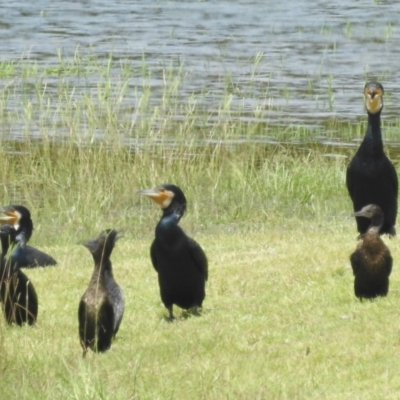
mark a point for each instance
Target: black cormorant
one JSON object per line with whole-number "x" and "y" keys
{"x": 17, "y": 294}
{"x": 371, "y": 262}
{"x": 180, "y": 262}
{"x": 102, "y": 306}
{"x": 24, "y": 255}
{"x": 371, "y": 177}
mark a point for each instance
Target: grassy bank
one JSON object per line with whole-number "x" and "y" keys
{"x": 77, "y": 190}
{"x": 268, "y": 204}
{"x": 280, "y": 321}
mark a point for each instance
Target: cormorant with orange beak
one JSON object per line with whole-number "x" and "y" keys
{"x": 180, "y": 262}
{"x": 371, "y": 177}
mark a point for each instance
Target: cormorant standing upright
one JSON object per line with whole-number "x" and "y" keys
{"x": 372, "y": 261}
{"x": 180, "y": 262}
{"x": 371, "y": 177}
{"x": 102, "y": 305}
{"x": 23, "y": 255}
{"x": 17, "y": 294}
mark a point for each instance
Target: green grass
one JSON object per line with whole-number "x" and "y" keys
{"x": 280, "y": 319}
{"x": 74, "y": 191}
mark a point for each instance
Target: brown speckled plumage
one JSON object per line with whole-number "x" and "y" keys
{"x": 371, "y": 261}
{"x": 102, "y": 305}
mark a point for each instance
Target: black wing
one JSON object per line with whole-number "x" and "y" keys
{"x": 30, "y": 257}
{"x": 153, "y": 255}
{"x": 199, "y": 257}
{"x": 393, "y": 179}
{"x": 96, "y": 331}
{"x": 389, "y": 264}
{"x": 355, "y": 261}
{"x": 349, "y": 182}
{"x": 106, "y": 325}
{"x": 20, "y": 299}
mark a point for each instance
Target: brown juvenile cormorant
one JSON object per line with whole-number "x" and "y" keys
{"x": 23, "y": 255}
{"x": 371, "y": 262}
{"x": 17, "y": 294}
{"x": 180, "y": 262}
{"x": 102, "y": 306}
{"x": 371, "y": 177}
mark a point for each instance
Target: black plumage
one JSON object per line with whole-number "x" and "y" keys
{"x": 372, "y": 261}
{"x": 180, "y": 262}
{"x": 102, "y": 305}
{"x": 17, "y": 294}
{"x": 371, "y": 177}
{"x": 23, "y": 255}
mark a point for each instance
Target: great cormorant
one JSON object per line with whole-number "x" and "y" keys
{"x": 180, "y": 262}
{"x": 23, "y": 255}
{"x": 371, "y": 262}
{"x": 371, "y": 177}
{"x": 17, "y": 294}
{"x": 102, "y": 305}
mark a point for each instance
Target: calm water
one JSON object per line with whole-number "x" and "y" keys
{"x": 314, "y": 56}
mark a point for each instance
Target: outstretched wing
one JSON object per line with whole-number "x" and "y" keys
{"x": 30, "y": 257}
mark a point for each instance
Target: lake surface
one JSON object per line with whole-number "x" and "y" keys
{"x": 313, "y": 58}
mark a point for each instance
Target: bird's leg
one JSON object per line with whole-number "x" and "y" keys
{"x": 84, "y": 348}
{"x": 195, "y": 311}
{"x": 171, "y": 314}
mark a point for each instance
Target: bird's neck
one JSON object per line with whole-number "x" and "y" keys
{"x": 376, "y": 225}
{"x": 168, "y": 228}
{"x": 374, "y": 230}
{"x": 171, "y": 216}
{"x": 22, "y": 237}
{"x": 373, "y": 137}
{"x": 103, "y": 264}
{"x": 102, "y": 270}
{"x": 372, "y": 242}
